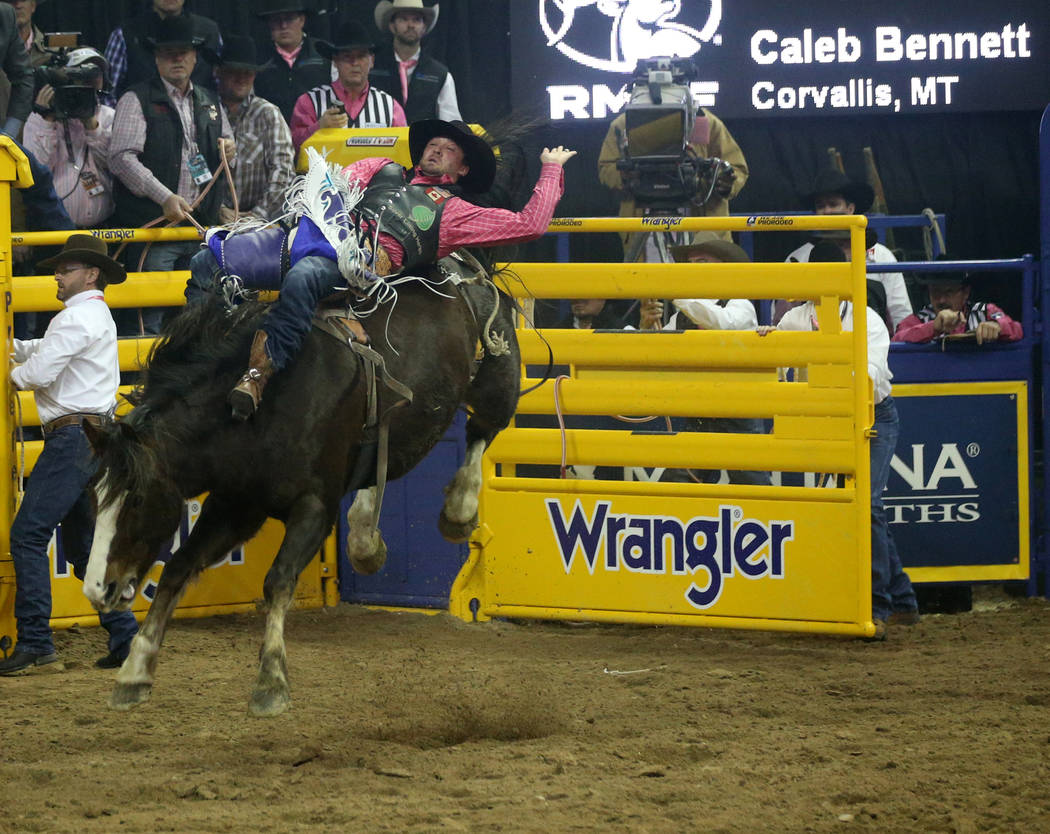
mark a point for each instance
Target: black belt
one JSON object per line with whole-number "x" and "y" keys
{"x": 97, "y": 420}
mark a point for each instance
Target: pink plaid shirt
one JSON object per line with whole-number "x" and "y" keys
{"x": 465, "y": 224}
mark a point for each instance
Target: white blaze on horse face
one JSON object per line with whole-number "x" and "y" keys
{"x": 105, "y": 529}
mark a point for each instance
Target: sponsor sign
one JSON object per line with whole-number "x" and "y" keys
{"x": 755, "y": 58}
{"x": 958, "y": 488}
{"x": 371, "y": 141}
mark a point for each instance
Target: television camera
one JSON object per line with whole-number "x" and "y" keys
{"x": 658, "y": 165}
{"x": 73, "y": 71}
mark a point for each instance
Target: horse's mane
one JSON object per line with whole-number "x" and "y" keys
{"x": 197, "y": 352}
{"x": 195, "y": 347}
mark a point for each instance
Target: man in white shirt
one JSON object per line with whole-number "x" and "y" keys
{"x": 835, "y": 193}
{"x": 892, "y": 597}
{"x": 74, "y": 373}
{"x": 711, "y": 314}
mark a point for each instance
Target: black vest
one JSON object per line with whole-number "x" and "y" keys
{"x": 162, "y": 152}
{"x": 282, "y": 84}
{"x": 423, "y": 87}
{"x": 141, "y": 63}
{"x": 410, "y": 214}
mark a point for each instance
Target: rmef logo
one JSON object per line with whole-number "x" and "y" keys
{"x": 722, "y": 546}
{"x": 636, "y": 29}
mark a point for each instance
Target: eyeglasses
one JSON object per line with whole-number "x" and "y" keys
{"x": 65, "y": 270}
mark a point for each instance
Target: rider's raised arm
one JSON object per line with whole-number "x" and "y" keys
{"x": 466, "y": 224}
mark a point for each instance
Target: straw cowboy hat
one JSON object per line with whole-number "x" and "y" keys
{"x": 90, "y": 251}
{"x": 385, "y": 10}
{"x": 707, "y": 243}
{"x": 477, "y": 154}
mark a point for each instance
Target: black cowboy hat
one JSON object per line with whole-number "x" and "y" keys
{"x": 238, "y": 52}
{"x": 717, "y": 247}
{"x": 349, "y": 35}
{"x": 954, "y": 276}
{"x": 174, "y": 31}
{"x": 265, "y": 8}
{"x": 833, "y": 181}
{"x": 91, "y": 251}
{"x": 477, "y": 154}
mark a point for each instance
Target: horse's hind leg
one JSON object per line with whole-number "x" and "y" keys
{"x": 459, "y": 515}
{"x": 306, "y": 527}
{"x": 218, "y": 530}
{"x": 365, "y": 547}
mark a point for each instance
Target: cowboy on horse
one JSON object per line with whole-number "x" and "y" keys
{"x": 402, "y": 221}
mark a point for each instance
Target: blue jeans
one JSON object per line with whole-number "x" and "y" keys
{"x": 203, "y": 267}
{"x": 310, "y": 280}
{"x": 890, "y": 586}
{"x": 55, "y": 493}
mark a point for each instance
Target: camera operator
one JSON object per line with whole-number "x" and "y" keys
{"x": 69, "y": 131}
{"x": 706, "y": 143}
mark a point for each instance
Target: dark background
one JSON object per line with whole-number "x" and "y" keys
{"x": 979, "y": 169}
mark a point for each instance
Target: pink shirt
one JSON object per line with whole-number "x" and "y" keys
{"x": 465, "y": 224}
{"x": 918, "y": 327}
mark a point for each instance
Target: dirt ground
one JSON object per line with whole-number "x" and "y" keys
{"x": 404, "y": 722}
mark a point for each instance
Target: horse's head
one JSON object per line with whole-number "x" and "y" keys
{"x": 138, "y": 508}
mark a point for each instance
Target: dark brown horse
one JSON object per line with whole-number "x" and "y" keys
{"x": 293, "y": 461}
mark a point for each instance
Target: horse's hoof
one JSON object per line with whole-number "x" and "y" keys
{"x": 367, "y": 563}
{"x": 128, "y": 695}
{"x": 456, "y": 532}
{"x": 269, "y": 702}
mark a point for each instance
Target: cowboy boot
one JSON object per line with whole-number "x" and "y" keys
{"x": 246, "y": 395}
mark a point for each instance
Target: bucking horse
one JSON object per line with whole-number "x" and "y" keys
{"x": 314, "y": 440}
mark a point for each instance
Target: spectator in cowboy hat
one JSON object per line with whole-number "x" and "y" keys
{"x": 349, "y": 101}
{"x": 128, "y": 53}
{"x": 710, "y": 314}
{"x": 951, "y": 313}
{"x": 265, "y": 168}
{"x": 835, "y": 193}
{"x": 417, "y": 81}
{"x": 290, "y": 63}
{"x": 158, "y": 168}
{"x": 74, "y": 373}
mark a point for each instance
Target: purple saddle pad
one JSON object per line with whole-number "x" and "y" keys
{"x": 258, "y": 257}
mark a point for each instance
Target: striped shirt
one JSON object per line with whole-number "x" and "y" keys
{"x": 372, "y": 108}
{"x": 265, "y": 160}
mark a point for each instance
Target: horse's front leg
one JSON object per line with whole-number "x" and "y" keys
{"x": 305, "y": 529}
{"x": 459, "y": 515}
{"x": 365, "y": 547}
{"x": 217, "y": 531}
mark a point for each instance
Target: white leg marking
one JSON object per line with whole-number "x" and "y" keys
{"x": 359, "y": 521}
{"x": 105, "y": 529}
{"x": 461, "y": 503}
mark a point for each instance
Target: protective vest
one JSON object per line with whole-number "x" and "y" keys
{"x": 282, "y": 84}
{"x": 411, "y": 214}
{"x": 423, "y": 87}
{"x": 162, "y": 152}
{"x": 142, "y": 64}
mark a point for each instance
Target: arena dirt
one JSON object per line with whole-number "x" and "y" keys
{"x": 403, "y": 722}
